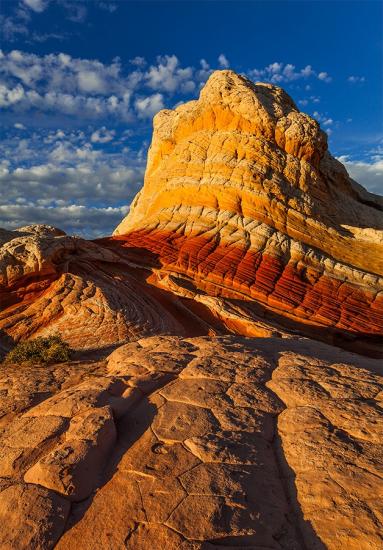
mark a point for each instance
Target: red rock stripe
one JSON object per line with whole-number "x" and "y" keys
{"x": 233, "y": 272}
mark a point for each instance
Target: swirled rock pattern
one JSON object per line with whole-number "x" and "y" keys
{"x": 195, "y": 443}
{"x": 243, "y": 199}
{"x": 52, "y": 282}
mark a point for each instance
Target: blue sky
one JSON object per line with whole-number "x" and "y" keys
{"x": 81, "y": 80}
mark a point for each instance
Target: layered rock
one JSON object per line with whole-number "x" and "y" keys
{"x": 243, "y": 200}
{"x": 245, "y": 220}
{"x": 51, "y": 282}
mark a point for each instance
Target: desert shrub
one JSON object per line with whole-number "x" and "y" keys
{"x": 51, "y": 349}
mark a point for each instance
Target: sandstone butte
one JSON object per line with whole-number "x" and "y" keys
{"x": 226, "y": 390}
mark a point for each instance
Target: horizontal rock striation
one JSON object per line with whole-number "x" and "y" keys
{"x": 243, "y": 200}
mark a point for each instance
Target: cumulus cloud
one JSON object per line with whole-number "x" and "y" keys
{"x": 278, "y": 72}
{"x": 169, "y": 76}
{"x": 92, "y": 82}
{"x": 310, "y": 99}
{"x": 102, "y": 135}
{"x": 138, "y": 61}
{"x": 368, "y": 174}
{"x": 75, "y": 11}
{"x": 59, "y": 83}
{"x": 111, "y": 7}
{"x": 61, "y": 72}
{"x": 324, "y": 76}
{"x": 223, "y": 61}
{"x": 147, "y": 107}
{"x": 324, "y": 120}
{"x": 61, "y": 179}
{"x": 89, "y": 222}
{"x": 12, "y": 28}
{"x": 36, "y": 5}
{"x": 356, "y": 79}
{"x": 18, "y": 24}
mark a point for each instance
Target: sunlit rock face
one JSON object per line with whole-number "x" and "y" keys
{"x": 243, "y": 200}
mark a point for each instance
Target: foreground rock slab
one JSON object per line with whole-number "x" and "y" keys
{"x": 201, "y": 442}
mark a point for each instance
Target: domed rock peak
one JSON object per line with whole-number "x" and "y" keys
{"x": 242, "y": 199}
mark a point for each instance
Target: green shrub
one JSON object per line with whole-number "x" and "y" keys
{"x": 51, "y": 349}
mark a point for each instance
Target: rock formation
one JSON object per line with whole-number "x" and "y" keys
{"x": 219, "y": 419}
{"x": 52, "y": 282}
{"x": 243, "y": 200}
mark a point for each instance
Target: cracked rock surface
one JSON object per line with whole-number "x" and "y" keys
{"x": 195, "y": 443}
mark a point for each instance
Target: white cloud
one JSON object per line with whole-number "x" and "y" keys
{"x": 19, "y": 126}
{"x": 59, "y": 83}
{"x": 61, "y": 179}
{"x": 307, "y": 100}
{"x": 37, "y": 5}
{"x": 169, "y": 76}
{"x": 12, "y": 28}
{"x": 324, "y": 76}
{"x": 102, "y": 135}
{"x": 89, "y": 222}
{"x": 223, "y": 61}
{"x": 75, "y": 10}
{"x": 356, "y": 79}
{"x": 324, "y": 120}
{"x": 36, "y": 37}
{"x": 279, "y": 73}
{"x": 147, "y": 107}
{"x": 91, "y": 81}
{"x": 368, "y": 174}
{"x": 111, "y": 7}
{"x": 62, "y": 73}
{"x": 10, "y": 96}
{"x": 138, "y": 61}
